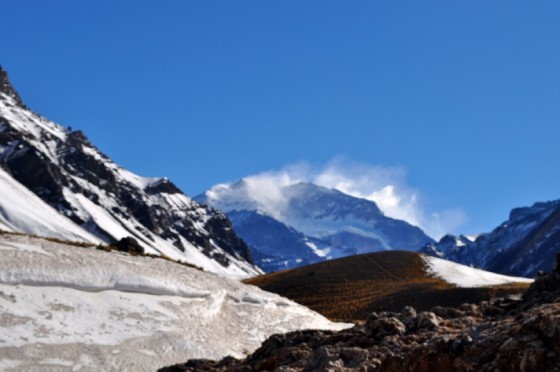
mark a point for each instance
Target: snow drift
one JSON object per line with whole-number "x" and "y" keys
{"x": 465, "y": 276}
{"x": 63, "y": 306}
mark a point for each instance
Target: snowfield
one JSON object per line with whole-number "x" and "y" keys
{"x": 71, "y": 308}
{"x": 466, "y": 276}
{"x": 23, "y": 211}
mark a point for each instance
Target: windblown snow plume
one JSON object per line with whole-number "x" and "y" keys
{"x": 386, "y": 186}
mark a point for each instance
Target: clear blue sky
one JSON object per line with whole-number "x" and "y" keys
{"x": 464, "y": 95}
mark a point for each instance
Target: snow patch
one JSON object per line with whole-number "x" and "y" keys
{"x": 471, "y": 238}
{"x": 316, "y": 250}
{"x": 113, "y": 311}
{"x": 465, "y": 276}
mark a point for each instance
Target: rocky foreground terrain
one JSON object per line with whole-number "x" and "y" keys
{"x": 505, "y": 334}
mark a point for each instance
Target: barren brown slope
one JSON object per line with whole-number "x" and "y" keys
{"x": 352, "y": 287}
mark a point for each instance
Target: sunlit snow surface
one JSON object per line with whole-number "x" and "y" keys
{"x": 23, "y": 211}
{"x": 465, "y": 276}
{"x": 85, "y": 309}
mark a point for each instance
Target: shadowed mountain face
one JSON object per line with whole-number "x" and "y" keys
{"x": 274, "y": 245}
{"x": 304, "y": 223}
{"x": 68, "y": 172}
{"x": 523, "y": 245}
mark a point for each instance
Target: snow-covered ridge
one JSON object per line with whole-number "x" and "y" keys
{"x": 98, "y": 200}
{"x": 82, "y": 307}
{"x": 465, "y": 276}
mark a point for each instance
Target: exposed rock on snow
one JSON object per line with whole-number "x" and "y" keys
{"x": 63, "y": 306}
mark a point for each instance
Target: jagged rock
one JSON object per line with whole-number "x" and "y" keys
{"x": 380, "y": 327}
{"x": 409, "y": 317}
{"x": 130, "y": 245}
{"x": 427, "y": 320}
{"x": 6, "y": 88}
{"x": 162, "y": 186}
{"x": 447, "y": 312}
{"x": 546, "y": 288}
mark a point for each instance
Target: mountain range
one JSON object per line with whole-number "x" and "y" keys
{"x": 523, "y": 245}
{"x": 56, "y": 183}
{"x": 303, "y": 223}
{"x": 70, "y": 300}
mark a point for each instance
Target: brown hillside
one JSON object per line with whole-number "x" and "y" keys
{"x": 350, "y": 288}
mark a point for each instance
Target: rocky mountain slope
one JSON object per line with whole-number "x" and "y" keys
{"x": 304, "y": 223}
{"x": 499, "y": 335}
{"x": 71, "y": 175}
{"x": 67, "y": 307}
{"x": 523, "y": 245}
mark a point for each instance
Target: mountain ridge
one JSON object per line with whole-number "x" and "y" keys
{"x": 524, "y": 245}
{"x": 63, "y": 168}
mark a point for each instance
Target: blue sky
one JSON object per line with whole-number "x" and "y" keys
{"x": 457, "y": 103}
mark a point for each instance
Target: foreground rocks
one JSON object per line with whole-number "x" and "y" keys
{"x": 511, "y": 334}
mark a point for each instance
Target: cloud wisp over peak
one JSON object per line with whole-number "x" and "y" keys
{"x": 386, "y": 186}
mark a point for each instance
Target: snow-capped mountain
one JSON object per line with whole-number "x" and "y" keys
{"x": 448, "y": 244}
{"x": 304, "y": 223}
{"x": 523, "y": 245}
{"x": 72, "y": 308}
{"x": 68, "y": 173}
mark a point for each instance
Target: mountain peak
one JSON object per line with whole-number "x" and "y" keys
{"x": 7, "y": 88}
{"x": 316, "y": 222}
{"x": 64, "y": 170}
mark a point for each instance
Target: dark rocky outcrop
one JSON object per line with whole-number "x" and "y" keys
{"x": 507, "y": 334}
{"x": 6, "y": 88}
{"x": 129, "y": 245}
{"x": 162, "y": 186}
